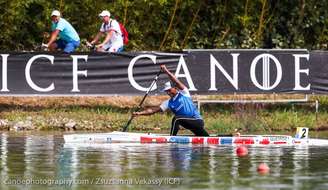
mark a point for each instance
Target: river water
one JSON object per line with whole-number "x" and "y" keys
{"x": 44, "y": 161}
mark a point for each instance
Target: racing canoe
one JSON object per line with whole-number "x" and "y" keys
{"x": 126, "y": 137}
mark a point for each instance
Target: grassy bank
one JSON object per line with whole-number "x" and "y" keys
{"x": 112, "y": 113}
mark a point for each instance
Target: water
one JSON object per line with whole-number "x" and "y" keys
{"x": 44, "y": 161}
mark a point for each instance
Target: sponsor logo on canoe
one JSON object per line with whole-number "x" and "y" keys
{"x": 197, "y": 140}
{"x": 153, "y": 140}
{"x": 213, "y": 140}
{"x": 242, "y": 140}
{"x": 179, "y": 140}
{"x": 278, "y": 138}
{"x": 265, "y": 141}
{"x": 226, "y": 140}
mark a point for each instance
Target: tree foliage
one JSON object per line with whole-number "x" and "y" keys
{"x": 175, "y": 24}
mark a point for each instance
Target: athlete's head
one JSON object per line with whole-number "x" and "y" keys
{"x": 169, "y": 89}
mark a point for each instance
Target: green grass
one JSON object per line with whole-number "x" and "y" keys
{"x": 219, "y": 118}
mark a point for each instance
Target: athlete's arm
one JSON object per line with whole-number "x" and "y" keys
{"x": 178, "y": 83}
{"x": 148, "y": 111}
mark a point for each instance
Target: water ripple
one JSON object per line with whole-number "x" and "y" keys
{"x": 46, "y": 156}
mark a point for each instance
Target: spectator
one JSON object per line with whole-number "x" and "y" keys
{"x": 68, "y": 39}
{"x": 113, "y": 41}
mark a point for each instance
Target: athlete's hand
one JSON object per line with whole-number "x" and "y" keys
{"x": 163, "y": 68}
{"x": 135, "y": 114}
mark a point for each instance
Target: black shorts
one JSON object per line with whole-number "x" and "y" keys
{"x": 194, "y": 125}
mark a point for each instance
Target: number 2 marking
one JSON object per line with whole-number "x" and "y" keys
{"x": 303, "y": 134}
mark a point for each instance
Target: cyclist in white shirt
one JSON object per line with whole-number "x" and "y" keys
{"x": 113, "y": 41}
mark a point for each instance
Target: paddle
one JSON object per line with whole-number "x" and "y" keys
{"x": 143, "y": 99}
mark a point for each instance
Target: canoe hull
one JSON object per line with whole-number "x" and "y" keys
{"x": 124, "y": 137}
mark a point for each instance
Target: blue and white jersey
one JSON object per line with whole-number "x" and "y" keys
{"x": 181, "y": 105}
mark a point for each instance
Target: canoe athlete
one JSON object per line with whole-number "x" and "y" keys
{"x": 181, "y": 104}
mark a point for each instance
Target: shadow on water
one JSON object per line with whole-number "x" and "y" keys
{"x": 45, "y": 157}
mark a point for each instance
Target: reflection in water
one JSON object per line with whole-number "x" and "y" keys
{"x": 3, "y": 154}
{"x": 299, "y": 152}
{"x": 191, "y": 166}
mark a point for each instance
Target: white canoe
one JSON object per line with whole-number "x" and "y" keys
{"x": 126, "y": 137}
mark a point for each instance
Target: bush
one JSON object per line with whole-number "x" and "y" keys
{"x": 175, "y": 24}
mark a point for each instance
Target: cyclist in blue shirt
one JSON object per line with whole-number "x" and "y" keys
{"x": 180, "y": 103}
{"x": 68, "y": 40}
